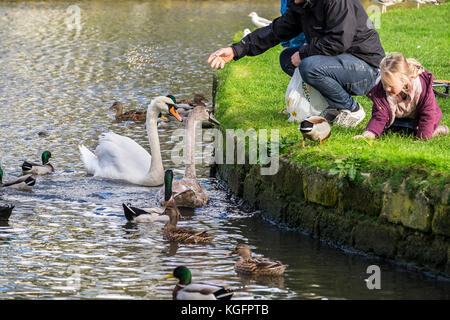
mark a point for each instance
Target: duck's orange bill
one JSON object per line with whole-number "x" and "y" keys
{"x": 175, "y": 113}
{"x": 169, "y": 276}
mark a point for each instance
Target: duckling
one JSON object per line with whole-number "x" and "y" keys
{"x": 186, "y": 290}
{"x": 133, "y": 115}
{"x": 39, "y": 169}
{"x": 134, "y": 214}
{"x": 23, "y": 183}
{"x": 5, "y": 212}
{"x": 181, "y": 234}
{"x": 315, "y": 128}
{"x": 255, "y": 266}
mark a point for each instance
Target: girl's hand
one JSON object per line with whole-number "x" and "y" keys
{"x": 366, "y": 134}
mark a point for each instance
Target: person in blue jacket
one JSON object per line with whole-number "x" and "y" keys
{"x": 289, "y": 47}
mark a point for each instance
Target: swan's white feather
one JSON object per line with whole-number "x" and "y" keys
{"x": 89, "y": 159}
{"x": 193, "y": 291}
{"x": 120, "y": 157}
{"x": 116, "y": 157}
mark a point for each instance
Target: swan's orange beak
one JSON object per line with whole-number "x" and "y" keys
{"x": 173, "y": 111}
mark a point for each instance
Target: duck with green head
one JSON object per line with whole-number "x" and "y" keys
{"x": 39, "y": 169}
{"x": 23, "y": 183}
{"x": 134, "y": 214}
{"x": 186, "y": 290}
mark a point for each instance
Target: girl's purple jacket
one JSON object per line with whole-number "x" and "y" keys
{"x": 429, "y": 115}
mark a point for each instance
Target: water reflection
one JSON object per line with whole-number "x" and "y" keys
{"x": 68, "y": 239}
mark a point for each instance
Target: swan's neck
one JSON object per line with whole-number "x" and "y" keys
{"x": 189, "y": 171}
{"x": 155, "y": 175}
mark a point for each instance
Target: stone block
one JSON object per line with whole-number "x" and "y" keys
{"x": 424, "y": 250}
{"x": 320, "y": 188}
{"x": 289, "y": 181}
{"x": 251, "y": 186}
{"x": 398, "y": 207}
{"x": 441, "y": 220}
{"x": 271, "y": 206}
{"x": 360, "y": 197}
{"x": 336, "y": 228}
{"x": 302, "y": 216}
{"x": 373, "y": 237}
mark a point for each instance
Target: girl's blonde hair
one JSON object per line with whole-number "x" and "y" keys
{"x": 408, "y": 69}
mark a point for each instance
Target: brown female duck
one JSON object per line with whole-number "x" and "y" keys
{"x": 255, "y": 266}
{"x": 174, "y": 233}
{"x": 133, "y": 115}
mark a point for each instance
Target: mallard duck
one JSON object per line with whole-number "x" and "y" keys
{"x": 23, "y": 183}
{"x": 188, "y": 235}
{"x": 39, "y": 169}
{"x": 259, "y": 21}
{"x": 188, "y": 192}
{"x": 315, "y": 128}
{"x": 119, "y": 157}
{"x": 255, "y": 266}
{"x": 5, "y": 212}
{"x": 137, "y": 116}
{"x": 186, "y": 290}
{"x": 133, "y": 115}
{"x": 134, "y": 214}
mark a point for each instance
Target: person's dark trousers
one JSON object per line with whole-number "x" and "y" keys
{"x": 285, "y": 60}
{"x": 337, "y": 78}
{"x": 406, "y": 126}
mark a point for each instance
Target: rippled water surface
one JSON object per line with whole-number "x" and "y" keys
{"x": 68, "y": 238}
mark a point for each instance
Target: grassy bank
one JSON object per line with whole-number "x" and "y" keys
{"x": 251, "y": 94}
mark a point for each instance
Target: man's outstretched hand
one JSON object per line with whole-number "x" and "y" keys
{"x": 220, "y": 57}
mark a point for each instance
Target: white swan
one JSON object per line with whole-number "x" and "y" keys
{"x": 259, "y": 21}
{"x": 119, "y": 157}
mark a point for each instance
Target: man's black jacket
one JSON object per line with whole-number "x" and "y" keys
{"x": 331, "y": 27}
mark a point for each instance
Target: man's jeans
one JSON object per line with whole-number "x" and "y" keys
{"x": 337, "y": 78}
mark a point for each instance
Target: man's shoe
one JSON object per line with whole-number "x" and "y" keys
{"x": 347, "y": 118}
{"x": 330, "y": 114}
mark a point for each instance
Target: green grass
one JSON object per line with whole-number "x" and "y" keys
{"x": 251, "y": 94}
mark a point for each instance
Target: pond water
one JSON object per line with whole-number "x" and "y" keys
{"x": 68, "y": 238}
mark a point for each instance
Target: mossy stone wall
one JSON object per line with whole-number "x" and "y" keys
{"x": 389, "y": 221}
